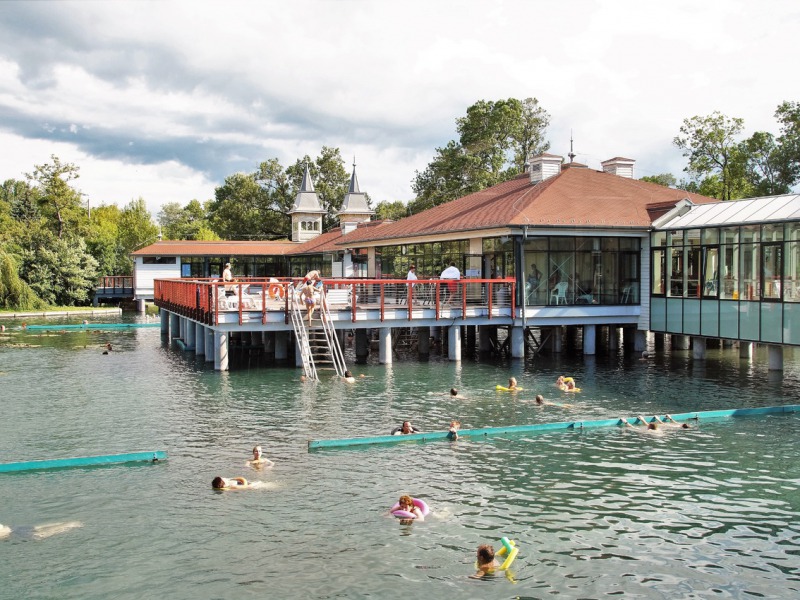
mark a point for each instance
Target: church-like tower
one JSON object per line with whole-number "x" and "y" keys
{"x": 306, "y": 212}
{"x": 355, "y": 208}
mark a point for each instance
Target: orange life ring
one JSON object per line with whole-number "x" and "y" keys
{"x": 276, "y": 290}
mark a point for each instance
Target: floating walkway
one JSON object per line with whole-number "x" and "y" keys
{"x": 90, "y": 326}
{"x": 540, "y": 427}
{"x": 83, "y": 461}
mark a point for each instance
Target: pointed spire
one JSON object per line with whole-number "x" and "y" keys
{"x": 308, "y": 184}
{"x": 354, "y": 181}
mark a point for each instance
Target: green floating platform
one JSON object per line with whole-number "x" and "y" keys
{"x": 82, "y": 461}
{"x": 90, "y": 326}
{"x": 540, "y": 427}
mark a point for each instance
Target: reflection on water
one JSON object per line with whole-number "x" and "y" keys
{"x": 712, "y": 511}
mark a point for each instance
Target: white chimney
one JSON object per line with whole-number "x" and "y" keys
{"x": 622, "y": 167}
{"x": 545, "y": 166}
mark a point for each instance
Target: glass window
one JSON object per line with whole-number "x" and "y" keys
{"x": 659, "y": 271}
{"x": 710, "y": 271}
{"x": 771, "y": 267}
{"x": 729, "y": 235}
{"x": 710, "y": 236}
{"x": 730, "y": 272}
{"x": 791, "y": 278}
{"x": 675, "y": 278}
{"x": 772, "y": 233}
{"x": 749, "y": 271}
{"x": 159, "y": 260}
{"x": 659, "y": 238}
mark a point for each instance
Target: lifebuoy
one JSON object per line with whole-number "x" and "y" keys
{"x": 276, "y": 290}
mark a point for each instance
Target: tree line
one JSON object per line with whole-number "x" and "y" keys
{"x": 54, "y": 245}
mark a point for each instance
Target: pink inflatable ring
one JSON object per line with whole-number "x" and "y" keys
{"x": 404, "y": 514}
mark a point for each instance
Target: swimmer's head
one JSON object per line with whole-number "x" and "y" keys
{"x": 406, "y": 501}
{"x": 257, "y": 452}
{"x": 453, "y": 392}
{"x": 218, "y": 483}
{"x": 485, "y": 554}
{"x": 348, "y": 374}
{"x": 512, "y": 381}
{"x": 539, "y": 399}
{"x": 652, "y": 425}
{"x": 685, "y": 426}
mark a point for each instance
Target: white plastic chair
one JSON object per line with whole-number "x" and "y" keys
{"x": 558, "y": 295}
{"x": 626, "y": 295}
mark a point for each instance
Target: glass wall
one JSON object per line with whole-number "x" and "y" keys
{"x": 582, "y": 270}
{"x": 430, "y": 258}
{"x": 752, "y": 262}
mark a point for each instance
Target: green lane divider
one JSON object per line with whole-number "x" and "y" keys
{"x": 539, "y": 427}
{"x": 83, "y": 461}
{"x": 90, "y": 326}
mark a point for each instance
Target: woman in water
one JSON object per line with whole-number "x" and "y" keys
{"x": 486, "y": 562}
{"x": 259, "y": 460}
{"x": 406, "y": 503}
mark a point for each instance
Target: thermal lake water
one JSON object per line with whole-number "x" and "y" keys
{"x": 708, "y": 512}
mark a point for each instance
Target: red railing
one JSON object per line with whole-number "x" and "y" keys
{"x": 204, "y": 299}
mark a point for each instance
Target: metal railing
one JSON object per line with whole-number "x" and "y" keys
{"x": 205, "y": 300}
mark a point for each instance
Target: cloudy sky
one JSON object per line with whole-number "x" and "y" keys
{"x": 165, "y": 99}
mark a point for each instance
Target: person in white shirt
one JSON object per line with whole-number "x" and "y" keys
{"x": 412, "y": 273}
{"x": 451, "y": 272}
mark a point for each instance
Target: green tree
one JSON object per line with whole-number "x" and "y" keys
{"x": 240, "y": 209}
{"x": 496, "y": 138}
{"x": 15, "y": 293}
{"x": 391, "y": 210}
{"x": 59, "y": 270}
{"x": 102, "y": 241}
{"x": 766, "y": 170}
{"x": 59, "y": 203}
{"x": 136, "y": 230}
{"x": 710, "y": 143}
{"x": 183, "y": 223}
{"x": 665, "y": 179}
{"x": 788, "y": 115}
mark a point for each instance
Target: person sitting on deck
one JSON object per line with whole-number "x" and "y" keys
{"x": 405, "y": 429}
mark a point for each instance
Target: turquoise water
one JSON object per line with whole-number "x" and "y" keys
{"x": 709, "y": 512}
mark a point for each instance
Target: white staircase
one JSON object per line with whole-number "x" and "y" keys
{"x": 318, "y": 343}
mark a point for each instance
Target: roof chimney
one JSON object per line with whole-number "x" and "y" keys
{"x": 545, "y": 166}
{"x": 622, "y": 167}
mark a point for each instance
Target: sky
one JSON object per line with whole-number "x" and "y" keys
{"x": 164, "y": 100}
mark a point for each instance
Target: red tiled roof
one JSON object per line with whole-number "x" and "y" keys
{"x": 216, "y": 248}
{"x": 574, "y": 198}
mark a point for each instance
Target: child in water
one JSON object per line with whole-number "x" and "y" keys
{"x": 406, "y": 503}
{"x": 453, "y": 433}
{"x": 232, "y": 483}
{"x": 486, "y": 562}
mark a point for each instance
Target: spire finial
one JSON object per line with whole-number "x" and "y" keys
{"x": 571, "y": 153}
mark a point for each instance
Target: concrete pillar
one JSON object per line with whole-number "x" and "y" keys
{"x": 190, "y": 331}
{"x": 698, "y": 348}
{"x": 220, "y": 350}
{"x": 775, "y": 357}
{"x": 385, "y": 345}
{"x": 281, "y": 345}
{"x": 659, "y": 340}
{"x": 174, "y": 325}
{"x": 424, "y": 342}
{"x": 613, "y": 338}
{"x": 268, "y": 339}
{"x": 362, "y": 346}
{"x": 589, "y": 339}
{"x": 298, "y": 354}
{"x": 517, "y": 342}
{"x": 745, "y": 349}
{"x": 199, "y": 339}
{"x": 639, "y": 341}
{"x": 164, "y": 322}
{"x": 680, "y": 342}
{"x": 485, "y": 338}
{"x": 558, "y": 345}
{"x": 454, "y": 342}
{"x": 472, "y": 337}
{"x": 141, "y": 305}
{"x": 628, "y": 339}
{"x": 210, "y": 346}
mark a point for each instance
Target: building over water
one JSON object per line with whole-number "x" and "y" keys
{"x": 586, "y": 249}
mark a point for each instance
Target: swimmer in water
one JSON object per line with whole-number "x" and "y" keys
{"x": 348, "y": 377}
{"x": 38, "y": 532}
{"x": 512, "y": 383}
{"x": 406, "y": 503}
{"x": 259, "y": 460}
{"x": 452, "y": 434}
{"x": 231, "y": 483}
{"x": 486, "y": 562}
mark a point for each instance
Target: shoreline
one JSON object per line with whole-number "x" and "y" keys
{"x": 28, "y": 314}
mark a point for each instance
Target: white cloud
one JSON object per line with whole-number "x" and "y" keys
{"x": 164, "y": 103}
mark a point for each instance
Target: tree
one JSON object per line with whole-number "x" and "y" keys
{"x": 59, "y": 203}
{"x": 183, "y": 223}
{"x": 496, "y": 138}
{"x": 136, "y": 230}
{"x": 788, "y": 115}
{"x": 766, "y": 170}
{"x": 102, "y": 241}
{"x": 241, "y": 209}
{"x": 59, "y": 270}
{"x": 391, "y": 210}
{"x": 711, "y": 146}
{"x": 665, "y": 179}
{"x": 14, "y": 292}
